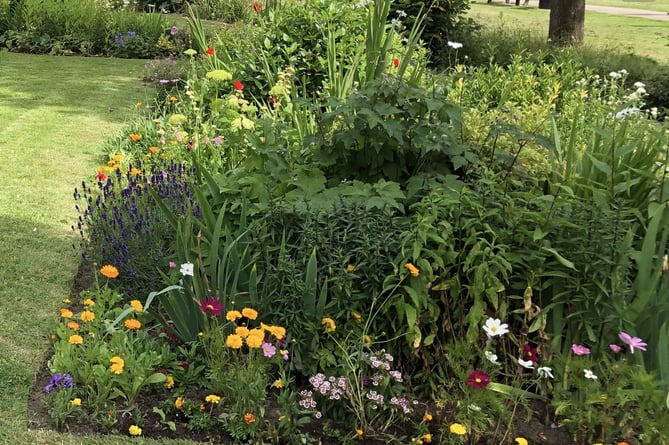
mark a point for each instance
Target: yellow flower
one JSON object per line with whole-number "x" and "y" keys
{"x": 220, "y": 75}
{"x": 132, "y": 324}
{"x": 278, "y": 384}
{"x": 174, "y": 99}
{"x": 87, "y": 316}
{"x": 134, "y": 430}
{"x": 169, "y": 382}
{"x": 255, "y": 340}
{"x": 249, "y": 313}
{"x": 233, "y": 341}
{"x": 135, "y": 171}
{"x": 242, "y": 331}
{"x": 277, "y": 331}
{"x": 427, "y": 438}
{"x": 233, "y": 315}
{"x": 179, "y": 403}
{"x": 76, "y": 401}
{"x": 109, "y": 271}
{"x": 88, "y": 302}
{"x": 153, "y": 149}
{"x": 359, "y": 433}
{"x": 368, "y": 340}
{"x": 356, "y": 316}
{"x": 212, "y": 398}
{"x": 135, "y": 137}
{"x": 117, "y": 364}
{"x": 413, "y": 270}
{"x": 118, "y": 158}
{"x": 458, "y": 429}
{"x": 328, "y": 324}
{"x": 249, "y": 418}
{"x": 73, "y": 325}
{"x": 67, "y": 301}
{"x": 521, "y": 440}
{"x": 75, "y": 339}
{"x": 137, "y": 305}
{"x": 427, "y": 417}
{"x": 66, "y": 313}
{"x": 350, "y": 268}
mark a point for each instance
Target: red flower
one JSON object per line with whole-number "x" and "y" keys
{"x": 530, "y": 353}
{"x": 257, "y": 8}
{"x": 478, "y": 379}
{"x": 238, "y": 85}
{"x": 212, "y": 306}
{"x": 396, "y": 62}
{"x": 101, "y": 177}
{"x": 210, "y": 51}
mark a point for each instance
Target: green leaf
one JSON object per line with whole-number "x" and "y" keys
{"x": 562, "y": 260}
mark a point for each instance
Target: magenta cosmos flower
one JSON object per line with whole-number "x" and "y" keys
{"x": 530, "y": 353}
{"x": 580, "y": 350}
{"x": 478, "y": 379}
{"x": 632, "y": 342}
{"x": 211, "y": 306}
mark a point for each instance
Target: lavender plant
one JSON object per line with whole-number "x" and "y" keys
{"x": 120, "y": 224}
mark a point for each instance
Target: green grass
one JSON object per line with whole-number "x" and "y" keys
{"x": 605, "y": 32}
{"x": 56, "y": 113}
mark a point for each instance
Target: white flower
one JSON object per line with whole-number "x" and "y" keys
{"x": 545, "y": 372}
{"x": 490, "y": 356}
{"x": 615, "y": 75}
{"x": 186, "y": 269}
{"x": 640, "y": 91}
{"x": 653, "y": 111}
{"x": 455, "y": 45}
{"x": 589, "y": 374}
{"x": 639, "y": 84}
{"x": 494, "y": 327}
{"x": 627, "y": 112}
{"x": 622, "y": 72}
{"x": 529, "y": 364}
{"x": 401, "y": 14}
{"x": 474, "y": 407}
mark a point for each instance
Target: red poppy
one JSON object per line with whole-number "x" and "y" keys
{"x": 210, "y": 51}
{"x": 257, "y": 8}
{"x": 238, "y": 85}
{"x": 478, "y": 379}
{"x": 396, "y": 62}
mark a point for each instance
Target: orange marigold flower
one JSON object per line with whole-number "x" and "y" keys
{"x": 233, "y": 341}
{"x": 88, "y": 302}
{"x": 153, "y": 149}
{"x": 179, "y": 403}
{"x": 413, "y": 270}
{"x": 427, "y": 417}
{"x": 137, "y": 305}
{"x": 277, "y": 331}
{"x": 66, "y": 313}
{"x": 133, "y": 324}
{"x": 249, "y": 313}
{"x": 255, "y": 340}
{"x": 73, "y": 325}
{"x": 249, "y": 418}
{"x": 242, "y": 331}
{"x": 135, "y": 137}
{"x": 427, "y": 438}
{"x": 87, "y": 316}
{"x": 359, "y": 433}
{"x": 117, "y": 364}
{"x": 233, "y": 315}
{"x": 328, "y": 324}
{"x": 109, "y": 271}
{"x": 75, "y": 339}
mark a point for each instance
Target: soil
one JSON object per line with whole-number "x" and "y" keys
{"x": 534, "y": 430}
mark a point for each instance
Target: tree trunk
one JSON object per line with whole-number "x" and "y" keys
{"x": 566, "y": 22}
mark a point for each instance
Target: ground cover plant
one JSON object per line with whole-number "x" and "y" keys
{"x": 381, "y": 255}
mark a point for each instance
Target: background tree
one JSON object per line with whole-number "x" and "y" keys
{"x": 566, "y": 22}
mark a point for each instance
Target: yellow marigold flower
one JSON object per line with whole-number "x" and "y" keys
{"x": 233, "y": 315}
{"x": 234, "y": 341}
{"x": 137, "y": 305}
{"x": 87, "y": 316}
{"x": 135, "y": 137}
{"x": 458, "y": 429}
{"x": 427, "y": 438}
{"x": 356, "y": 316}
{"x": 413, "y": 270}
{"x": 359, "y": 433}
{"x": 53, "y": 337}
{"x": 350, "y": 268}
{"x": 427, "y": 417}
{"x": 367, "y": 339}
{"x": 169, "y": 382}
{"x": 202, "y": 407}
{"x": 134, "y": 430}
{"x": 117, "y": 364}
{"x": 133, "y": 324}
{"x": 249, "y": 313}
{"x": 179, "y": 403}
{"x": 523, "y": 441}
{"x": 242, "y": 331}
{"x": 135, "y": 171}
{"x": 278, "y": 383}
{"x": 328, "y": 324}
{"x": 212, "y": 398}
{"x": 174, "y": 99}
{"x": 67, "y": 301}
{"x": 88, "y": 302}
{"x": 66, "y": 313}
{"x": 118, "y": 158}
{"x": 76, "y": 401}
{"x": 73, "y": 325}
{"x": 277, "y": 331}
{"x": 109, "y": 271}
{"x": 75, "y": 339}
{"x": 254, "y": 340}
{"x": 249, "y": 418}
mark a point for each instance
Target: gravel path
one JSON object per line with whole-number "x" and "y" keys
{"x": 629, "y": 12}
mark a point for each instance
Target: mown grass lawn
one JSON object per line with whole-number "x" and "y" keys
{"x": 55, "y": 113}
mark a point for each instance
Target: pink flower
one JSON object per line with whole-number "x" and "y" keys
{"x": 173, "y": 264}
{"x": 478, "y": 379}
{"x": 268, "y": 349}
{"x": 632, "y": 342}
{"x": 580, "y": 350}
{"x": 615, "y": 348}
{"x": 212, "y": 306}
{"x": 530, "y": 353}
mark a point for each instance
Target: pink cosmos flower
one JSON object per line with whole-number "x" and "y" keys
{"x": 632, "y": 342}
{"x": 268, "y": 349}
{"x": 478, "y": 379}
{"x": 580, "y": 350}
{"x": 615, "y": 348}
{"x": 530, "y": 353}
{"x": 212, "y": 306}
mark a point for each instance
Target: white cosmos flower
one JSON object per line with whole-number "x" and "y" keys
{"x": 545, "y": 372}
{"x": 455, "y": 45}
{"x": 529, "y": 364}
{"x": 186, "y": 269}
{"x": 494, "y": 327}
{"x": 492, "y": 357}
{"x": 589, "y": 374}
